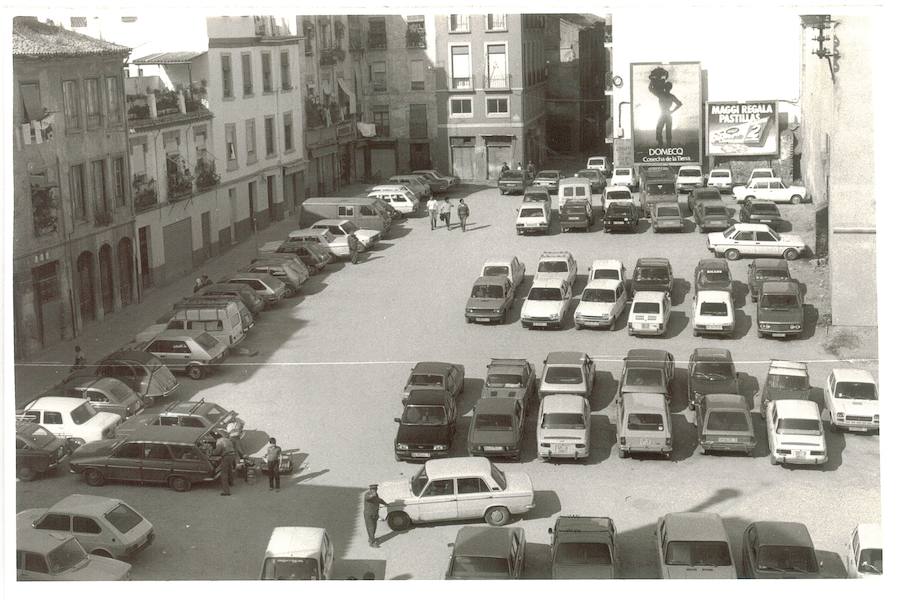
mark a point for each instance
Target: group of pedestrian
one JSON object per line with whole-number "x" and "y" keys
{"x": 530, "y": 169}
{"x": 442, "y": 208}
{"x": 228, "y": 450}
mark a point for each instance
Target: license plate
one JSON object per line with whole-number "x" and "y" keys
{"x": 421, "y": 455}
{"x": 765, "y": 220}
{"x": 856, "y": 428}
{"x": 727, "y": 440}
{"x": 714, "y": 327}
{"x": 539, "y": 324}
{"x": 619, "y": 222}
{"x": 562, "y": 448}
{"x": 800, "y": 453}
{"x": 647, "y": 326}
{"x": 482, "y": 319}
{"x": 493, "y": 448}
{"x": 779, "y": 335}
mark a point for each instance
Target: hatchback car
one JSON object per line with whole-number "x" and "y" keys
{"x": 760, "y": 211}
{"x": 72, "y": 419}
{"x": 487, "y": 553}
{"x": 567, "y": 373}
{"x": 652, "y": 275}
{"x": 864, "y": 555}
{"x": 720, "y": 179}
{"x": 564, "y": 427}
{"x": 547, "y": 303}
{"x": 779, "y": 550}
{"x": 621, "y": 216}
{"x": 766, "y": 269}
{"x": 702, "y": 194}
{"x": 510, "y": 267}
{"x": 795, "y": 431}
{"x": 649, "y": 314}
{"x": 184, "y": 413}
{"x": 437, "y": 181}
{"x": 771, "y": 188}
{"x": 37, "y": 450}
{"x": 647, "y": 371}
{"x": 534, "y": 194}
{"x": 724, "y": 423}
{"x": 193, "y": 352}
{"x": 713, "y": 274}
{"x": 436, "y": 375}
{"x": 712, "y": 313}
{"x": 597, "y": 179}
{"x": 608, "y": 269}
{"x": 498, "y": 425}
{"x": 617, "y": 193}
{"x": 643, "y": 424}
{"x": 104, "y": 526}
{"x": 548, "y": 179}
{"x": 513, "y": 181}
{"x": 786, "y": 380}
{"x": 711, "y": 371}
{"x": 576, "y": 214}
{"x": 711, "y": 215}
{"x": 298, "y": 553}
{"x": 583, "y": 548}
{"x": 271, "y": 289}
{"x": 694, "y": 545}
{"x": 417, "y": 183}
{"x": 427, "y": 426}
{"x": 754, "y": 239}
{"x": 510, "y": 377}
{"x": 559, "y": 264}
{"x": 314, "y": 255}
{"x": 600, "y": 163}
{"x": 52, "y": 556}
{"x": 106, "y": 394}
{"x": 851, "y": 398}
{"x": 625, "y": 177}
{"x": 666, "y": 216}
{"x": 532, "y": 217}
{"x": 141, "y": 371}
{"x": 457, "y": 489}
{"x": 602, "y": 302}
{"x": 490, "y": 301}
{"x": 402, "y": 200}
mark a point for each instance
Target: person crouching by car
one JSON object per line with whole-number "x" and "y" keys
{"x": 355, "y": 246}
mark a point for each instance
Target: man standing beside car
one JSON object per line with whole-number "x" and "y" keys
{"x": 433, "y": 211}
{"x": 273, "y": 460}
{"x": 225, "y": 449}
{"x": 371, "y": 502}
{"x": 354, "y": 245}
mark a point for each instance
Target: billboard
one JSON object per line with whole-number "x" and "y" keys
{"x": 742, "y": 128}
{"x": 666, "y": 106}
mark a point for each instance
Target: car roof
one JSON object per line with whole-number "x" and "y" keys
{"x": 428, "y": 397}
{"x": 165, "y": 434}
{"x": 498, "y": 262}
{"x": 511, "y": 364}
{"x": 329, "y": 222}
{"x": 770, "y": 263}
{"x": 575, "y": 180}
{"x": 869, "y": 535}
{"x": 296, "y": 542}
{"x": 724, "y": 401}
{"x": 713, "y": 263}
{"x": 652, "y": 262}
{"x": 179, "y": 334}
{"x": 647, "y": 296}
{"x": 710, "y": 354}
{"x": 484, "y": 541}
{"x": 85, "y": 504}
{"x": 497, "y": 405}
{"x": 757, "y": 202}
{"x": 537, "y": 188}
{"x": 646, "y": 355}
{"x": 775, "y": 287}
{"x": 191, "y": 407}
{"x": 787, "y": 366}
{"x": 554, "y": 282}
{"x": 606, "y": 263}
{"x": 131, "y": 355}
{"x": 551, "y": 171}
{"x": 782, "y": 533}
{"x": 565, "y": 358}
{"x": 40, "y": 541}
{"x": 751, "y": 227}
{"x": 54, "y": 402}
{"x": 720, "y": 171}
{"x": 644, "y": 401}
{"x": 860, "y": 375}
{"x": 573, "y": 523}
{"x": 491, "y": 280}
{"x": 617, "y": 188}
{"x": 713, "y": 295}
{"x": 602, "y": 284}
{"x": 454, "y": 467}
{"x": 695, "y": 527}
{"x": 778, "y": 179}
{"x": 434, "y": 368}
{"x": 562, "y": 403}
{"x": 551, "y": 254}
{"x": 27, "y": 426}
{"x": 807, "y": 409}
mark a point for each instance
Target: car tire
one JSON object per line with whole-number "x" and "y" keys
{"x": 791, "y": 254}
{"x": 795, "y": 199}
{"x": 518, "y": 455}
{"x": 179, "y": 483}
{"x": 468, "y": 319}
{"x": 622, "y": 453}
{"x": 696, "y": 333}
{"x": 26, "y": 474}
{"x": 497, "y": 516}
{"x": 398, "y": 521}
{"x": 94, "y": 477}
{"x": 732, "y": 254}
{"x": 195, "y": 372}
{"x": 759, "y": 334}
{"x": 667, "y": 455}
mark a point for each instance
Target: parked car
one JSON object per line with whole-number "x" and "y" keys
{"x": 624, "y": 176}
{"x": 795, "y": 431}
{"x": 567, "y": 373}
{"x": 711, "y": 371}
{"x": 712, "y": 313}
{"x": 72, "y": 419}
{"x": 724, "y": 423}
{"x": 532, "y": 217}
{"x": 427, "y": 427}
{"x": 761, "y": 173}
{"x": 104, "y": 526}
{"x": 602, "y": 302}
{"x": 141, "y": 371}
{"x": 760, "y": 211}
{"x": 548, "y": 179}
{"x": 51, "y": 556}
{"x": 643, "y": 424}
{"x": 779, "y": 312}
{"x": 649, "y": 314}
{"x": 37, "y": 450}
{"x": 666, "y": 216}
{"x": 564, "y": 427}
{"x": 617, "y": 193}
{"x": 694, "y": 545}
{"x": 713, "y": 274}
{"x": 436, "y": 375}
{"x": 402, "y": 199}
{"x": 174, "y": 456}
{"x": 786, "y": 380}
{"x": 418, "y": 185}
{"x": 864, "y": 555}
{"x": 293, "y": 274}
{"x": 766, "y": 269}
{"x": 547, "y": 303}
{"x": 648, "y": 372}
{"x": 851, "y": 398}
{"x": 688, "y": 178}
{"x": 106, "y": 394}
{"x": 597, "y": 179}
{"x": 340, "y": 229}
{"x": 609, "y": 269}
{"x": 711, "y": 215}
{"x": 559, "y": 264}
{"x": 771, "y": 188}
{"x": 537, "y": 194}
{"x": 437, "y": 181}
{"x": 498, "y": 424}
{"x": 238, "y": 291}
{"x": 314, "y": 255}
{"x": 583, "y": 548}
{"x": 191, "y": 351}
{"x": 753, "y": 239}
{"x": 487, "y": 553}
{"x": 652, "y": 275}
{"x": 601, "y": 163}
{"x": 702, "y": 194}
{"x": 510, "y": 267}
{"x": 576, "y": 214}
{"x": 298, "y": 553}
{"x": 491, "y": 300}
{"x": 184, "y": 413}
{"x": 457, "y": 489}
{"x": 513, "y": 181}
{"x": 574, "y": 188}
{"x": 271, "y": 289}
{"x": 720, "y": 179}
{"x": 779, "y": 550}
{"x": 621, "y": 215}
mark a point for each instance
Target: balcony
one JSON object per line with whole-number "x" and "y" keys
{"x": 377, "y": 40}
{"x": 205, "y": 169}
{"x": 179, "y": 181}
{"x": 497, "y": 81}
{"x": 331, "y": 56}
{"x": 415, "y": 37}
{"x": 43, "y": 209}
{"x": 163, "y": 105}
{"x": 460, "y": 83}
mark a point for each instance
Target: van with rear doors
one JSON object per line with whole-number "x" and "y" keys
{"x": 365, "y": 213}
{"x": 219, "y": 318}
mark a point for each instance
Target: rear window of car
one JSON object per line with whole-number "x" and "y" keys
{"x": 668, "y": 211}
{"x": 714, "y": 210}
{"x": 690, "y": 173}
{"x": 480, "y": 566}
{"x": 718, "y": 174}
{"x": 206, "y": 341}
{"x": 547, "y": 175}
{"x": 623, "y": 172}
{"x": 583, "y": 553}
{"x": 788, "y": 383}
{"x": 650, "y": 308}
{"x": 512, "y": 176}
{"x": 727, "y": 420}
{"x": 652, "y": 274}
{"x": 797, "y": 426}
{"x": 618, "y": 195}
{"x": 123, "y": 518}
{"x": 714, "y": 309}
{"x": 531, "y": 212}
{"x": 642, "y": 377}
{"x": 495, "y": 270}
{"x": 82, "y": 413}
{"x": 426, "y": 379}
{"x": 553, "y": 266}
{"x": 504, "y": 380}
{"x": 645, "y": 422}
{"x": 566, "y": 375}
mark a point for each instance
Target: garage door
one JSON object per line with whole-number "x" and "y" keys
{"x": 462, "y": 159}
{"x": 177, "y": 249}
{"x": 384, "y": 162}
{"x": 497, "y": 155}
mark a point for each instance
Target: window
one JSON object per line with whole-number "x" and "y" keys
{"x": 76, "y": 191}
{"x": 267, "y": 71}
{"x": 345, "y": 211}
{"x": 381, "y": 116}
{"x": 72, "y": 105}
{"x": 417, "y": 75}
{"x": 250, "y": 140}
{"x": 439, "y": 487}
{"x": 85, "y": 525}
{"x": 495, "y": 22}
{"x": 246, "y": 74}
{"x": 744, "y": 236}
{"x": 325, "y": 40}
{"x": 184, "y": 453}
{"x": 98, "y": 183}
{"x": 156, "y": 452}
{"x": 460, "y": 107}
{"x": 32, "y": 109}
{"x": 92, "y": 102}
{"x": 55, "y": 522}
{"x": 35, "y": 563}
{"x": 288, "y": 131}
{"x": 46, "y": 282}
{"x": 496, "y": 66}
{"x": 459, "y": 23}
{"x": 497, "y": 106}
{"x": 415, "y": 31}
{"x": 418, "y": 121}
{"x": 471, "y": 485}
{"x": 227, "y": 83}
{"x": 764, "y": 236}
{"x": 269, "y": 132}
{"x": 460, "y": 68}
{"x": 118, "y": 166}
{"x": 378, "y": 76}
{"x": 285, "y": 71}
{"x": 377, "y": 33}
{"x": 52, "y": 418}
{"x": 113, "y": 100}
{"x": 129, "y": 450}
{"x": 230, "y": 147}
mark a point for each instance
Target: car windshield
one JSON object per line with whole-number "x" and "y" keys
{"x": 583, "y": 553}
{"x": 870, "y": 561}
{"x": 765, "y": 209}
{"x": 349, "y": 227}
{"x": 668, "y": 211}
{"x": 606, "y": 274}
{"x": 593, "y": 295}
{"x": 714, "y": 276}
{"x": 499, "y": 476}
{"x": 625, "y": 172}
{"x": 206, "y": 341}
{"x": 643, "y": 377}
{"x": 487, "y": 291}
{"x": 714, "y": 370}
{"x": 542, "y": 293}
{"x": 504, "y": 380}
{"x": 772, "y": 274}
{"x": 857, "y": 390}
{"x": 645, "y": 422}
{"x": 567, "y": 375}
{"x": 290, "y": 568}
{"x": 690, "y": 172}
{"x": 424, "y": 415}
{"x": 67, "y": 555}
{"x": 556, "y": 420}
{"x": 652, "y": 274}
{"x": 698, "y": 554}
{"x": 531, "y": 212}
{"x": 512, "y": 175}
{"x": 788, "y": 383}
{"x": 714, "y": 309}
{"x": 418, "y": 482}
{"x": 480, "y": 567}
{"x": 795, "y": 426}
{"x": 493, "y": 422}
{"x": 727, "y": 420}
{"x": 728, "y": 232}
{"x": 553, "y": 266}
{"x": 714, "y": 210}
{"x": 589, "y": 174}
{"x": 490, "y": 270}
{"x": 547, "y": 175}
{"x": 779, "y": 301}
{"x": 786, "y": 558}
{"x": 426, "y": 379}
{"x": 123, "y": 518}
{"x": 575, "y": 207}
{"x": 120, "y": 392}
{"x": 618, "y": 210}
{"x": 83, "y": 413}
{"x": 38, "y": 437}
{"x": 618, "y": 195}
{"x": 717, "y": 174}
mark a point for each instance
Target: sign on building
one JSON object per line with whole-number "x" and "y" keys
{"x": 742, "y": 128}
{"x": 666, "y": 106}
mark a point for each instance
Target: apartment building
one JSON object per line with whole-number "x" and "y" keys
{"x": 73, "y": 223}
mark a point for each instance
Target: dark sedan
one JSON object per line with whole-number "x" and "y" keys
{"x": 766, "y": 269}
{"x": 760, "y": 211}
{"x": 513, "y": 181}
{"x": 702, "y": 194}
{"x": 487, "y": 553}
{"x": 597, "y": 179}
{"x": 711, "y": 371}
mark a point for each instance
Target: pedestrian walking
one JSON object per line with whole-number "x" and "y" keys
{"x": 433, "y": 211}
{"x": 445, "y": 212}
{"x": 530, "y": 168}
{"x": 273, "y": 464}
{"x": 371, "y": 502}
{"x": 225, "y": 449}
{"x": 462, "y": 210}
{"x": 354, "y": 245}
{"x": 519, "y": 166}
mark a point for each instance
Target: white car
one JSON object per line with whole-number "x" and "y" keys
{"x": 511, "y": 268}
{"x": 713, "y": 313}
{"x": 599, "y": 163}
{"x": 851, "y": 397}
{"x": 795, "y": 433}
{"x": 721, "y": 180}
{"x": 457, "y": 489}
{"x": 649, "y": 313}
{"x": 864, "y": 552}
{"x": 403, "y": 201}
{"x": 761, "y": 172}
{"x": 73, "y": 418}
{"x": 564, "y": 427}
{"x": 340, "y": 229}
{"x": 557, "y": 265}
{"x": 754, "y": 239}
{"x": 689, "y": 177}
{"x": 602, "y": 301}
{"x": 567, "y": 373}
{"x": 547, "y": 303}
{"x": 772, "y": 189}
{"x": 532, "y": 217}
{"x": 608, "y": 268}
{"x": 618, "y": 193}
{"x": 624, "y": 177}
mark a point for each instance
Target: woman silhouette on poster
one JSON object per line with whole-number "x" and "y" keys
{"x": 661, "y": 87}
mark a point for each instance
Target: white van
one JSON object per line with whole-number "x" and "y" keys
{"x": 223, "y": 321}
{"x": 574, "y": 188}
{"x": 599, "y": 163}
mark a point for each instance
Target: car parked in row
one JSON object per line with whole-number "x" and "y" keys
{"x": 270, "y": 288}
{"x": 785, "y": 380}
{"x": 713, "y": 274}
{"x": 237, "y": 291}
{"x": 491, "y": 300}
{"x": 564, "y": 427}
{"x": 711, "y": 371}
{"x": 609, "y": 269}
{"x": 567, "y": 373}
{"x": 754, "y": 239}
{"x": 702, "y": 194}
{"x": 72, "y": 419}
{"x": 649, "y": 314}
{"x": 725, "y": 424}
{"x": 37, "y": 450}
{"x": 779, "y": 550}
{"x": 766, "y": 269}
{"x": 694, "y": 545}
{"x": 864, "y": 555}
{"x": 191, "y": 351}
{"x": 106, "y": 394}
{"x": 643, "y": 424}
{"x": 602, "y": 302}
{"x": 625, "y": 177}
{"x": 712, "y": 313}
{"x": 779, "y": 311}
{"x": 537, "y": 194}
{"x": 576, "y": 214}
{"x": 666, "y": 216}
{"x": 298, "y": 554}
{"x": 497, "y": 427}
{"x": 52, "y": 556}
{"x": 851, "y": 399}
{"x": 771, "y": 188}
{"x": 597, "y": 179}
{"x": 559, "y": 264}
{"x": 760, "y": 211}
{"x": 432, "y": 375}
{"x": 652, "y": 275}
{"x": 404, "y": 201}
{"x": 184, "y": 413}
{"x": 583, "y": 548}
{"x": 548, "y": 179}
{"x": 618, "y": 193}
{"x": 532, "y": 217}
{"x": 416, "y": 184}
{"x": 511, "y": 377}
{"x": 438, "y": 181}
{"x": 795, "y": 432}
{"x": 720, "y": 179}
{"x": 600, "y": 163}
{"x": 711, "y": 215}
{"x": 340, "y": 229}
{"x": 513, "y": 181}
{"x": 547, "y": 303}
{"x": 688, "y": 178}
{"x": 486, "y": 553}
{"x": 621, "y": 216}
{"x": 141, "y": 371}
{"x": 427, "y": 426}
{"x": 510, "y": 267}
{"x": 647, "y": 371}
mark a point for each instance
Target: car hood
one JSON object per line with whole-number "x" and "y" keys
{"x": 698, "y": 572}
{"x": 29, "y": 516}
{"x": 590, "y": 571}
{"x": 849, "y": 406}
{"x": 364, "y": 235}
{"x": 716, "y": 237}
{"x": 93, "y": 450}
{"x": 97, "y": 568}
{"x": 492, "y": 437}
{"x": 705, "y": 386}
{"x": 541, "y": 308}
{"x": 779, "y": 316}
{"x": 423, "y": 434}
{"x": 161, "y": 383}
{"x": 594, "y": 309}
{"x": 397, "y": 491}
{"x": 563, "y": 388}
{"x": 485, "y": 302}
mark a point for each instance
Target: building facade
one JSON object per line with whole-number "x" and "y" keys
{"x": 73, "y": 246}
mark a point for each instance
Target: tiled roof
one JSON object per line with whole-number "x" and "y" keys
{"x": 167, "y": 58}
{"x": 32, "y": 38}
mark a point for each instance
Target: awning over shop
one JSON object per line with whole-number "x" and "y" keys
{"x": 346, "y": 89}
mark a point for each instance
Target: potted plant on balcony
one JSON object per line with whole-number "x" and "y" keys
{"x": 206, "y": 174}
{"x": 43, "y": 210}
{"x": 144, "y": 192}
{"x": 181, "y": 183}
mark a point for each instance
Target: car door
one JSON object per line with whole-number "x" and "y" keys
{"x": 508, "y": 294}
{"x": 92, "y": 535}
{"x": 619, "y": 304}
{"x": 744, "y": 241}
{"x": 156, "y": 463}
{"x": 778, "y": 192}
{"x": 766, "y": 244}
{"x": 473, "y": 497}
{"x": 124, "y": 463}
{"x": 589, "y": 375}
{"x": 670, "y": 372}
{"x": 518, "y": 270}
{"x": 667, "y": 309}
{"x": 566, "y": 299}
{"x": 438, "y": 501}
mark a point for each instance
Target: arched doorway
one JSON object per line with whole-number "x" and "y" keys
{"x": 106, "y": 279}
{"x": 85, "y": 267}
{"x": 126, "y": 269}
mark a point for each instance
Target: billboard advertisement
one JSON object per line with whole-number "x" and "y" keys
{"x": 742, "y": 128}
{"x": 666, "y": 109}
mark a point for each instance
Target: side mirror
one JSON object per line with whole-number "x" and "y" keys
{"x": 550, "y": 530}
{"x": 451, "y": 544}
{"x": 396, "y": 419}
